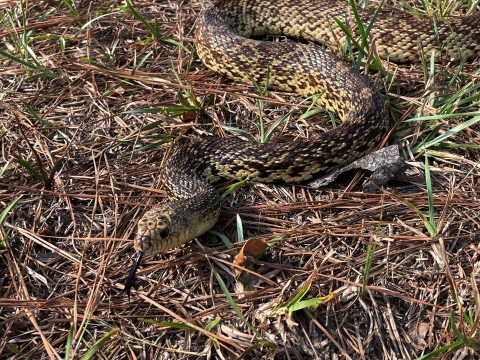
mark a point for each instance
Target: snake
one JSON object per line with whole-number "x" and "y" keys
{"x": 223, "y": 42}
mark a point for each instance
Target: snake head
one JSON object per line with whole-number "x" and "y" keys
{"x": 154, "y": 233}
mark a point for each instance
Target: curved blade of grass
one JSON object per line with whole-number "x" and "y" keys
{"x": 144, "y": 148}
{"x": 428, "y": 181}
{"x": 71, "y": 6}
{"x": 426, "y": 222}
{"x": 213, "y": 323}
{"x": 455, "y": 329}
{"x": 287, "y": 116}
{"x": 440, "y": 350}
{"x": 240, "y": 237}
{"x": 5, "y": 211}
{"x": 455, "y": 76}
{"x": 94, "y": 63}
{"x": 115, "y": 87}
{"x": 237, "y": 185}
{"x": 155, "y": 110}
{"x": 368, "y": 262}
{"x": 174, "y": 42}
{"x": 222, "y": 237}
{"x": 35, "y": 115}
{"x": 313, "y": 303}
{"x": 364, "y": 32}
{"x": 450, "y": 145}
{"x": 452, "y": 101}
{"x": 429, "y": 137}
{"x": 153, "y": 31}
{"x": 235, "y": 129}
{"x": 169, "y": 324}
{"x": 282, "y": 310}
{"x": 31, "y": 170}
{"x": 443, "y": 116}
{"x": 451, "y": 132}
{"x": 232, "y": 303}
{"x": 142, "y": 61}
{"x": 88, "y": 23}
{"x": 4, "y": 168}
{"x": 42, "y": 75}
{"x": 23, "y": 62}
{"x": 98, "y": 345}
{"x": 351, "y": 37}
{"x": 235, "y": 307}
{"x": 68, "y": 346}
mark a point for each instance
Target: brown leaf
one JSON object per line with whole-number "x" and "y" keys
{"x": 252, "y": 247}
{"x": 189, "y": 116}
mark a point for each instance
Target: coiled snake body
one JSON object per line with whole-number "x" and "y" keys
{"x": 222, "y": 43}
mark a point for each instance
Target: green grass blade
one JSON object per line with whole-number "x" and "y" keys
{"x": 150, "y": 28}
{"x": 268, "y": 136}
{"x": 174, "y": 42}
{"x": 452, "y": 132}
{"x": 373, "y": 18}
{"x": 424, "y": 219}
{"x": 431, "y": 209}
{"x": 237, "y": 185}
{"x": 3, "y": 241}
{"x": 351, "y": 37}
{"x": 455, "y": 329}
{"x": 213, "y": 323}
{"x": 141, "y": 62}
{"x": 313, "y": 303}
{"x": 299, "y": 296}
{"x": 4, "y": 168}
{"x": 222, "y": 237}
{"x": 267, "y": 81}
{"x": 31, "y": 170}
{"x": 455, "y": 76}
{"x": 20, "y": 61}
{"x": 68, "y": 346}
{"x": 368, "y": 263}
{"x": 169, "y": 324}
{"x": 71, "y": 7}
{"x": 438, "y": 351}
{"x": 145, "y": 148}
{"x": 94, "y": 63}
{"x": 5, "y": 211}
{"x": 233, "y": 305}
{"x": 98, "y": 345}
{"x": 88, "y": 23}
{"x": 240, "y": 237}
{"x": 235, "y": 129}
{"x": 429, "y": 137}
{"x": 443, "y": 116}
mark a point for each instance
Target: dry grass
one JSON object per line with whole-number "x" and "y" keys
{"x": 69, "y": 245}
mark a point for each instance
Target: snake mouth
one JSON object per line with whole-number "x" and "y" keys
{"x": 143, "y": 240}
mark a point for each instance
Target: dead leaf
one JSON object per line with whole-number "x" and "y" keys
{"x": 252, "y": 247}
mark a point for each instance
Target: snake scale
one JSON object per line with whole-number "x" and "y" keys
{"x": 223, "y": 44}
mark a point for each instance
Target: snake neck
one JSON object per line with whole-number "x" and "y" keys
{"x": 189, "y": 190}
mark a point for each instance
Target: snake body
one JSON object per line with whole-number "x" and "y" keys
{"x": 222, "y": 42}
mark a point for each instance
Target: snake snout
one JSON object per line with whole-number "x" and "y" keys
{"x": 143, "y": 241}
{"x": 152, "y": 229}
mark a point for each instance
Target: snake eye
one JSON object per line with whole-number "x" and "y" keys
{"x": 164, "y": 233}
